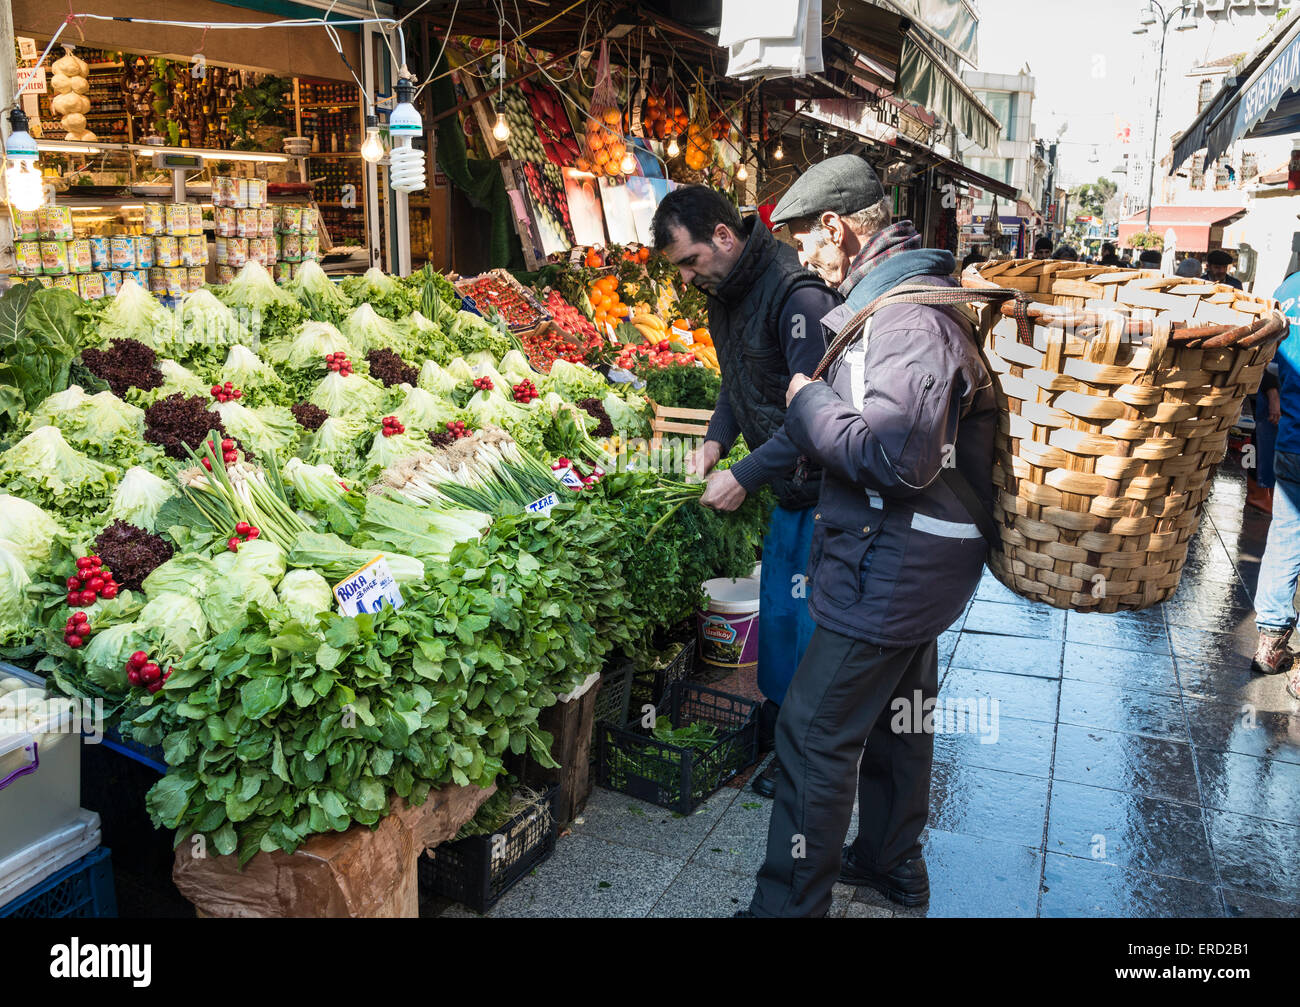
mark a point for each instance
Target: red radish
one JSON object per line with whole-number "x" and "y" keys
{"x": 154, "y": 686}
{"x": 109, "y": 592}
{"x": 242, "y": 527}
{"x": 232, "y": 544}
{"x": 73, "y": 641}
{"x": 150, "y": 673}
{"x": 133, "y": 676}
{"x": 80, "y": 617}
{"x": 138, "y": 659}
{"x": 86, "y": 598}
{"x": 254, "y": 532}
{"x": 74, "y": 582}
{"x": 207, "y": 464}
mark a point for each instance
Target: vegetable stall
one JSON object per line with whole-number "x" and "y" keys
{"x": 185, "y": 488}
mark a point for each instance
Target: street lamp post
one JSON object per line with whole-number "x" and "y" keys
{"x": 1155, "y": 14}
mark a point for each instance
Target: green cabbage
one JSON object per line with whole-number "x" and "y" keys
{"x": 15, "y": 610}
{"x": 352, "y": 396}
{"x": 423, "y": 411}
{"x": 208, "y": 325}
{"x": 259, "y": 556}
{"x": 335, "y": 443}
{"x": 226, "y": 601}
{"x": 266, "y": 428}
{"x": 368, "y": 331}
{"x": 134, "y": 313}
{"x": 106, "y": 654}
{"x": 188, "y": 573}
{"x": 261, "y": 306}
{"x": 176, "y": 621}
{"x": 434, "y": 379}
{"x": 309, "y": 347}
{"x": 319, "y": 296}
{"x": 47, "y": 470}
{"x": 29, "y": 531}
{"x": 305, "y": 595}
{"x": 139, "y": 497}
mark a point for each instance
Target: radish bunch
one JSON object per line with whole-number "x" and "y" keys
{"x": 339, "y": 362}
{"x": 91, "y": 582}
{"x": 243, "y": 532}
{"x": 140, "y": 671}
{"x": 226, "y": 392}
{"x": 76, "y": 629}
{"x": 392, "y": 426}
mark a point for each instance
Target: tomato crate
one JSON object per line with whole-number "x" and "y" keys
{"x": 82, "y": 890}
{"x": 682, "y": 776}
{"x": 478, "y": 870}
{"x": 515, "y": 303}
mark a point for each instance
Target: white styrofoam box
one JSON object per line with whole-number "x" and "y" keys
{"x": 40, "y": 765}
{"x": 28, "y": 867}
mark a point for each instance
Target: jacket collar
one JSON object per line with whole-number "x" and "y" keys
{"x": 754, "y": 258}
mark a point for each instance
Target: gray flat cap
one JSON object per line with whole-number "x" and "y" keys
{"x": 843, "y": 184}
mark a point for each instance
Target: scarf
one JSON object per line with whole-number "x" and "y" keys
{"x": 891, "y": 256}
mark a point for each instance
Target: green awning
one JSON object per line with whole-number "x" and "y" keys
{"x": 923, "y": 77}
{"x": 953, "y": 22}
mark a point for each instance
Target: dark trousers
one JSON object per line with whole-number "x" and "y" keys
{"x": 839, "y": 708}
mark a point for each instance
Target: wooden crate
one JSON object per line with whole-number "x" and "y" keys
{"x": 672, "y": 420}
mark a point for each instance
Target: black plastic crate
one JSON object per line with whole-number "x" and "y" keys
{"x": 633, "y": 762}
{"x": 650, "y": 685}
{"x": 82, "y": 890}
{"x": 465, "y": 870}
{"x": 613, "y": 699}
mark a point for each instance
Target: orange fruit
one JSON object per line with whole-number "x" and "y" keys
{"x": 593, "y": 259}
{"x": 681, "y": 323}
{"x": 612, "y": 117}
{"x": 620, "y": 310}
{"x": 643, "y": 254}
{"x": 595, "y": 141}
{"x": 700, "y": 334}
{"x": 582, "y": 164}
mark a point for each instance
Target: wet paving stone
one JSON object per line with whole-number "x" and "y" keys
{"x": 992, "y": 589}
{"x": 1022, "y": 696}
{"x": 1202, "y": 646}
{"x": 1123, "y": 669}
{"x": 1232, "y": 684}
{"x": 1139, "y": 631}
{"x": 1244, "y": 904}
{"x": 947, "y": 644}
{"x": 1041, "y": 622}
{"x": 1015, "y": 654}
{"x": 1008, "y": 807}
{"x": 1019, "y": 746}
{"x": 1244, "y": 728}
{"x": 1151, "y": 767}
{"x": 1075, "y": 887}
{"x": 1087, "y": 704}
{"x": 1126, "y": 830}
{"x": 1007, "y": 876}
{"x": 1264, "y": 788}
{"x": 1255, "y": 855}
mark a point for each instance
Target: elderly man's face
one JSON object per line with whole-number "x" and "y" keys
{"x": 820, "y": 242}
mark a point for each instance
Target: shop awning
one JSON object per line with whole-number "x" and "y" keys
{"x": 952, "y": 22}
{"x": 1193, "y": 225}
{"x": 1198, "y": 132}
{"x": 923, "y": 77}
{"x": 961, "y": 172}
{"x": 1267, "y": 103}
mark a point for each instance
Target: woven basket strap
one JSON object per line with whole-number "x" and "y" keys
{"x": 931, "y": 296}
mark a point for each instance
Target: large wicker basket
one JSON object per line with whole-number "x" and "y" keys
{"x": 1117, "y": 413}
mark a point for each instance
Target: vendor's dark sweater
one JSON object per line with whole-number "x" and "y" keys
{"x": 778, "y": 456}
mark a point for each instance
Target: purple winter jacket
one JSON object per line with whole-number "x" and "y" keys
{"x": 895, "y": 555}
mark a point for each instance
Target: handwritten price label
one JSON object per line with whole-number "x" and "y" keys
{"x": 543, "y": 505}
{"x": 368, "y": 590}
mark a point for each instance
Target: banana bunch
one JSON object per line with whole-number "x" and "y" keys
{"x": 650, "y": 325}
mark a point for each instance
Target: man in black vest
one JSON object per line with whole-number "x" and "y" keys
{"x": 765, "y": 314}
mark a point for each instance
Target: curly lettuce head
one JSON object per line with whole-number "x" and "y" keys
{"x": 139, "y": 497}
{"x": 50, "y": 472}
{"x": 29, "y": 531}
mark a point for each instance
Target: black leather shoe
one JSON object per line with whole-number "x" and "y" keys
{"x": 765, "y": 782}
{"x": 908, "y": 884}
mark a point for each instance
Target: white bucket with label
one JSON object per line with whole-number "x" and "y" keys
{"x": 728, "y": 624}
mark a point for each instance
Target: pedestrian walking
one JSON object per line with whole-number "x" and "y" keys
{"x": 1268, "y": 411}
{"x": 1190, "y": 267}
{"x": 764, "y": 316}
{"x": 895, "y": 554}
{"x": 1279, "y": 569}
{"x": 1108, "y": 256}
{"x": 1149, "y": 259}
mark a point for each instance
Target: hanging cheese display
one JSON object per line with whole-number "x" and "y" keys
{"x": 70, "y": 83}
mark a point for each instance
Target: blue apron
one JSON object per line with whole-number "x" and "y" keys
{"x": 784, "y": 623}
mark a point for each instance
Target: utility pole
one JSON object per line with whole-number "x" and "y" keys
{"x": 1155, "y": 14}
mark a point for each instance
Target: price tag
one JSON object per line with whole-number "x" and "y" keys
{"x": 569, "y": 478}
{"x": 368, "y": 589}
{"x": 32, "y": 80}
{"x": 543, "y": 505}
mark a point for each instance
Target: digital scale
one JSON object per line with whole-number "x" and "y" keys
{"x": 179, "y": 165}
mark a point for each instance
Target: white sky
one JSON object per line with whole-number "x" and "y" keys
{"x": 1089, "y": 68}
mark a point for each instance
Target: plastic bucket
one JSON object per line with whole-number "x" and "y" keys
{"x": 728, "y": 625}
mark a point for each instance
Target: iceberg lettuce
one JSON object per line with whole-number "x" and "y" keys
{"x": 15, "y": 609}
{"x": 139, "y": 497}
{"x": 134, "y": 313}
{"x": 320, "y": 297}
{"x": 176, "y": 621}
{"x": 354, "y": 396}
{"x": 48, "y": 471}
{"x": 434, "y": 379}
{"x": 29, "y": 531}
{"x": 309, "y": 347}
{"x": 305, "y": 595}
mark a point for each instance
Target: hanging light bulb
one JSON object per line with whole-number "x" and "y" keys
{"x": 673, "y": 149}
{"x": 405, "y": 163}
{"x": 501, "y": 128}
{"x": 24, "y": 187}
{"x": 779, "y": 152}
{"x": 741, "y": 173}
{"x": 628, "y": 164}
{"x": 373, "y": 147}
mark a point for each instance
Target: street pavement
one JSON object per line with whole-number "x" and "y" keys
{"x": 1139, "y": 770}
